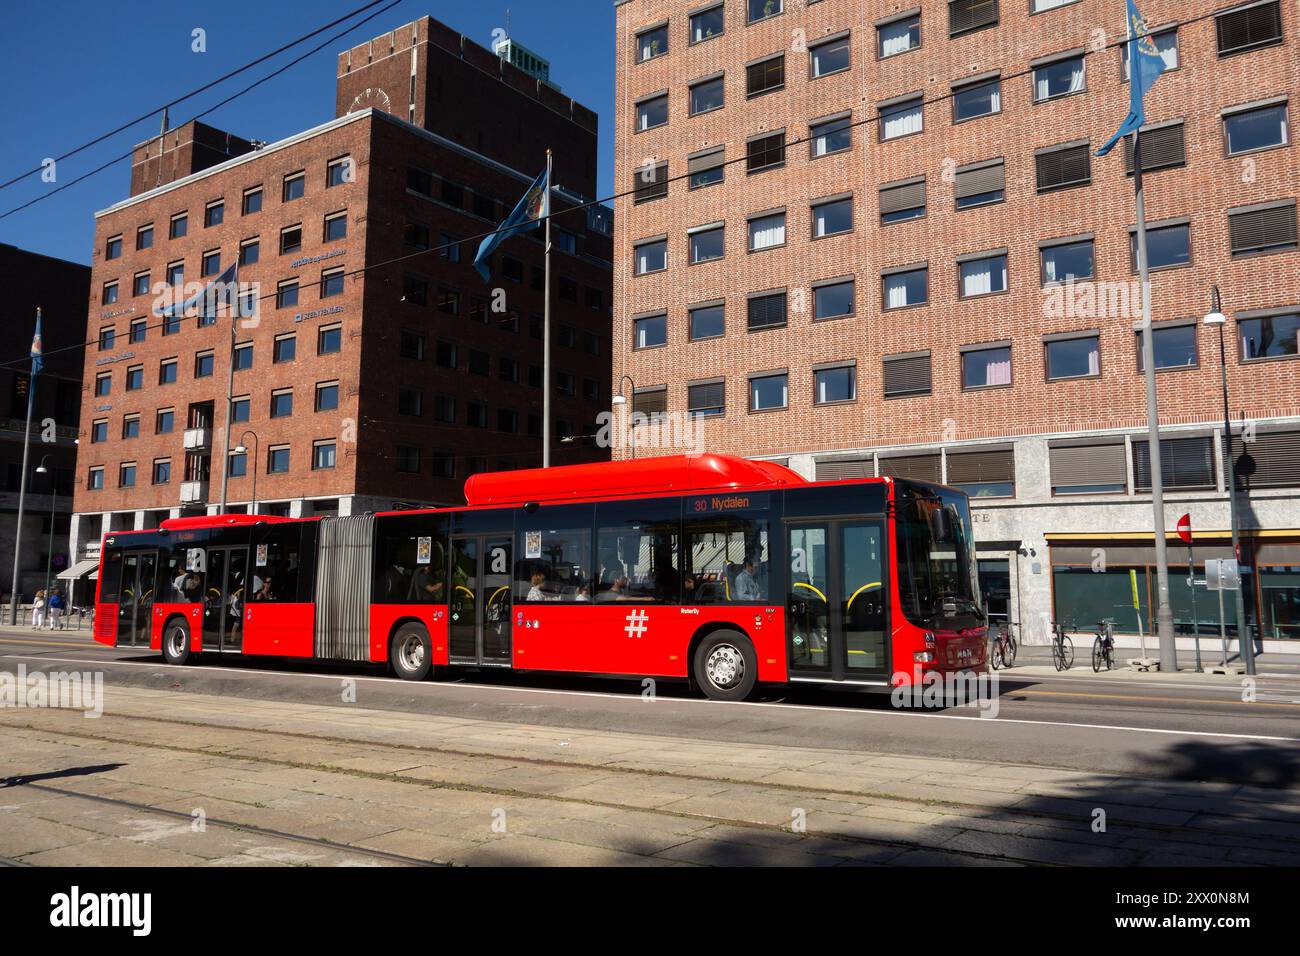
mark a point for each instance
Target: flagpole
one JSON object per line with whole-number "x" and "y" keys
{"x": 547, "y": 384}
{"x": 1164, "y": 615}
{"x": 22, "y": 490}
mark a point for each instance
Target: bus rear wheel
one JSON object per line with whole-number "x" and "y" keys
{"x": 725, "y": 666}
{"x": 412, "y": 652}
{"x": 176, "y": 642}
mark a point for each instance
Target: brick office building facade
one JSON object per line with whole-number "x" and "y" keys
{"x": 379, "y": 370}
{"x": 889, "y": 252}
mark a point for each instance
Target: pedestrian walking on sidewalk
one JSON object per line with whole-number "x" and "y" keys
{"x": 38, "y": 609}
{"x": 56, "y": 611}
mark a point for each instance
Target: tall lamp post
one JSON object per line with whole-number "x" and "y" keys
{"x": 242, "y": 449}
{"x": 49, "y": 556}
{"x": 1244, "y": 639}
{"x": 621, "y": 399}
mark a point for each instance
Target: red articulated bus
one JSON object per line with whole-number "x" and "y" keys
{"x": 720, "y": 570}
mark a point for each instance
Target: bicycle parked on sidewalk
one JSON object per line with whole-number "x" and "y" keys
{"x": 1103, "y": 645}
{"x": 1003, "y": 652}
{"x": 1062, "y": 647}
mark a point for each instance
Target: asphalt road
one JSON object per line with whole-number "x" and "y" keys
{"x": 1184, "y": 728}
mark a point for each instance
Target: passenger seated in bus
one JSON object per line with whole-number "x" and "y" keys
{"x": 425, "y": 587}
{"x": 617, "y": 591}
{"x": 535, "y": 593}
{"x": 584, "y": 594}
{"x": 746, "y": 587}
{"x": 397, "y": 582}
{"x": 188, "y": 586}
{"x": 264, "y": 590}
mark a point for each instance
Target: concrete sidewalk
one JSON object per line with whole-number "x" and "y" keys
{"x": 1037, "y": 659}
{"x": 291, "y": 783}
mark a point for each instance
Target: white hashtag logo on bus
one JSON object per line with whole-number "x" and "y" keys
{"x": 636, "y": 623}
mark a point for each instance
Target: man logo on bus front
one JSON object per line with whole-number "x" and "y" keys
{"x": 637, "y": 623}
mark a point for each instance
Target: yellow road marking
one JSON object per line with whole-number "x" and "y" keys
{"x": 1172, "y": 700}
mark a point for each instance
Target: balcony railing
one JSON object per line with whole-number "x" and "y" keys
{"x": 196, "y": 438}
{"x": 194, "y": 492}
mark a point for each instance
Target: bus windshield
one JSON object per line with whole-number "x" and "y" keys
{"x": 936, "y": 556}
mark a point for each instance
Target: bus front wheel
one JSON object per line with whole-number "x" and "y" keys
{"x": 176, "y": 642}
{"x": 412, "y": 652}
{"x": 726, "y": 667}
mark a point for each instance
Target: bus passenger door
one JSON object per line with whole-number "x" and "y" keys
{"x": 135, "y": 599}
{"x": 479, "y": 629}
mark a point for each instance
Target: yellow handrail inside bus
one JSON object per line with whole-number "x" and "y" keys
{"x": 865, "y": 587}
{"x": 496, "y": 592}
{"x": 804, "y": 584}
{"x": 461, "y": 587}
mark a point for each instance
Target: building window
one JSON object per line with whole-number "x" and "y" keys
{"x": 762, "y": 9}
{"x": 331, "y": 283}
{"x": 707, "y": 321}
{"x": 902, "y": 119}
{"x": 338, "y": 171}
{"x": 986, "y": 367}
{"x": 1076, "y": 357}
{"x": 237, "y": 464}
{"x": 651, "y": 403}
{"x": 973, "y": 100}
{"x": 1166, "y": 42}
{"x": 144, "y": 237}
{"x": 766, "y": 76}
{"x": 1162, "y": 147}
{"x": 1167, "y": 246}
{"x": 898, "y": 36}
{"x": 1266, "y": 228}
{"x": 336, "y": 226}
{"x": 476, "y": 414}
{"x": 652, "y": 113}
{"x": 983, "y": 474}
{"x": 480, "y": 363}
{"x": 204, "y": 364}
{"x": 323, "y": 454}
{"x": 1186, "y": 464}
{"x": 1251, "y": 130}
{"x": 707, "y": 24}
{"x": 282, "y": 403}
{"x": 1067, "y": 261}
{"x": 140, "y": 284}
{"x": 833, "y": 300}
{"x": 900, "y": 202}
{"x": 165, "y": 421}
{"x": 95, "y": 478}
{"x": 707, "y": 243}
{"x": 103, "y": 384}
{"x": 250, "y": 250}
{"x": 838, "y": 384}
{"x": 1174, "y": 347}
{"x": 277, "y": 460}
{"x": 706, "y": 168}
{"x": 411, "y": 345}
{"x": 651, "y": 256}
{"x": 214, "y": 213}
{"x": 445, "y": 354}
{"x": 650, "y": 331}
{"x": 327, "y": 396}
{"x": 905, "y": 375}
{"x": 766, "y": 311}
{"x": 832, "y": 218}
{"x": 983, "y": 276}
{"x": 176, "y": 274}
{"x": 113, "y": 248}
{"x": 1063, "y": 77}
{"x": 139, "y": 330}
{"x": 768, "y": 392}
{"x": 99, "y": 431}
{"x": 648, "y": 183}
{"x": 707, "y": 96}
{"x": 448, "y": 301}
{"x": 1062, "y": 167}
{"x": 179, "y": 226}
{"x": 706, "y": 399}
{"x": 295, "y": 184}
{"x": 652, "y": 43}
{"x": 210, "y": 264}
{"x": 162, "y": 471}
{"x": 767, "y": 231}
{"x": 285, "y": 348}
{"x": 1248, "y": 27}
{"x": 415, "y": 291}
{"x": 243, "y": 356}
{"x": 252, "y": 200}
{"x": 1039, "y": 6}
{"x": 1088, "y": 469}
{"x": 131, "y": 426}
{"x": 135, "y": 375}
{"x": 765, "y": 152}
{"x": 241, "y": 409}
{"x": 107, "y": 336}
{"x": 286, "y": 294}
{"x": 290, "y": 239}
{"x": 1271, "y": 336}
{"x": 126, "y": 475}
{"x": 830, "y": 136}
{"x": 828, "y": 57}
{"x": 329, "y": 340}
{"x": 906, "y": 288}
{"x": 980, "y": 184}
{"x": 967, "y": 15}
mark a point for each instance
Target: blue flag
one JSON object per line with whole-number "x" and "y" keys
{"x": 38, "y": 359}
{"x": 218, "y": 291}
{"x": 1145, "y": 64}
{"x": 535, "y": 206}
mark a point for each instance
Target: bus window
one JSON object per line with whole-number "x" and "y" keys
{"x": 110, "y": 576}
{"x": 182, "y": 576}
{"x": 276, "y": 563}
{"x": 637, "y": 558}
{"x": 555, "y": 565}
{"x": 411, "y": 561}
{"x": 726, "y": 561}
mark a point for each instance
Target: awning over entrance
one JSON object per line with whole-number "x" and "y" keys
{"x": 80, "y": 570}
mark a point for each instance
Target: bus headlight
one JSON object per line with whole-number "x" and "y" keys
{"x": 924, "y": 657}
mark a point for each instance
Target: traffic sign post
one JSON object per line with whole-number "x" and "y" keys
{"x": 1222, "y": 574}
{"x": 1185, "y": 532}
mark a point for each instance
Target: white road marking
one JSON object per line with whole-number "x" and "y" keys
{"x": 641, "y": 701}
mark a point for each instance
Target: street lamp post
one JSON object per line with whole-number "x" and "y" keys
{"x": 242, "y": 449}
{"x": 49, "y": 556}
{"x": 621, "y": 399}
{"x": 1244, "y": 640}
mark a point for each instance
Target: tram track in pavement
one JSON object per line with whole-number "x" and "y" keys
{"x": 1020, "y": 814}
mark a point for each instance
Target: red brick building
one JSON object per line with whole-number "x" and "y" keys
{"x": 379, "y": 370}
{"x": 869, "y": 238}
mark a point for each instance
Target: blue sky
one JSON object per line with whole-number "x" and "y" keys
{"x": 91, "y": 66}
